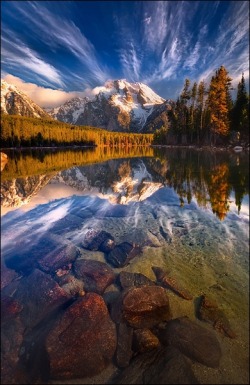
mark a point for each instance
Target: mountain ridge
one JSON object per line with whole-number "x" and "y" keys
{"x": 118, "y": 106}
{"x": 16, "y": 102}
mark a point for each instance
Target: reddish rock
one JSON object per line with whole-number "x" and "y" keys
{"x": 61, "y": 258}
{"x": 39, "y": 295}
{"x": 9, "y": 308}
{"x": 144, "y": 340}
{"x": 97, "y": 276}
{"x": 169, "y": 282}
{"x": 145, "y": 306}
{"x": 210, "y": 312}
{"x": 83, "y": 340}
{"x": 193, "y": 340}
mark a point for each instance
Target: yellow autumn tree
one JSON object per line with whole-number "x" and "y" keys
{"x": 219, "y": 103}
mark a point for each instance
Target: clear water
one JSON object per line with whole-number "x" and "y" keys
{"x": 187, "y": 208}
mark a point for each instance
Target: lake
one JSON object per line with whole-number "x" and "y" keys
{"x": 187, "y": 211}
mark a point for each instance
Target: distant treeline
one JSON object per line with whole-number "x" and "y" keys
{"x": 206, "y": 114}
{"x": 21, "y": 131}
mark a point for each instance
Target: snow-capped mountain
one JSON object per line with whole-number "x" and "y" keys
{"x": 119, "y": 181}
{"x": 15, "y": 102}
{"x": 116, "y": 106}
{"x": 69, "y": 111}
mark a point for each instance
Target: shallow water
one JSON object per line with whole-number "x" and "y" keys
{"x": 188, "y": 209}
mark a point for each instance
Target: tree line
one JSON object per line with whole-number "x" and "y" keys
{"x": 207, "y": 114}
{"x": 21, "y": 131}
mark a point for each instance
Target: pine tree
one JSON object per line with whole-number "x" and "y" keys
{"x": 219, "y": 101}
{"x": 240, "y": 111}
{"x": 200, "y": 108}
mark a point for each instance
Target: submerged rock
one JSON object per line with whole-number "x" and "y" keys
{"x": 144, "y": 340}
{"x": 171, "y": 283}
{"x": 127, "y": 279}
{"x": 124, "y": 350}
{"x": 193, "y": 340}
{"x": 96, "y": 276}
{"x": 83, "y": 340}
{"x": 39, "y": 295}
{"x": 122, "y": 254}
{"x": 11, "y": 339}
{"x": 7, "y": 275}
{"x": 210, "y": 312}
{"x": 164, "y": 365}
{"x": 9, "y": 308}
{"x": 60, "y": 258}
{"x": 98, "y": 240}
{"x": 145, "y": 306}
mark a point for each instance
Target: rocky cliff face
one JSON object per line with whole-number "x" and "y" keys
{"x": 117, "y": 106}
{"x": 15, "y": 102}
{"x": 69, "y": 112}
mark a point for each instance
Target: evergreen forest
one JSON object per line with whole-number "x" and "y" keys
{"x": 207, "y": 115}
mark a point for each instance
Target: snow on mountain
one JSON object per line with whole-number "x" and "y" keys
{"x": 116, "y": 106}
{"x": 15, "y": 102}
{"x": 69, "y": 112}
{"x": 126, "y": 182}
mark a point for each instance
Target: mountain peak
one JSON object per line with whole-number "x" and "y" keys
{"x": 15, "y": 102}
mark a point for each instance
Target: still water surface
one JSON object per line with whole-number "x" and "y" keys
{"x": 188, "y": 209}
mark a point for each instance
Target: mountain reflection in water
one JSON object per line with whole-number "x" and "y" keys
{"x": 212, "y": 179}
{"x": 188, "y": 210}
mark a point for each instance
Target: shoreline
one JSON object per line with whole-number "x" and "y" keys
{"x": 236, "y": 148}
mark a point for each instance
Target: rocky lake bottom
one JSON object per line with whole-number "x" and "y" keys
{"x": 52, "y": 287}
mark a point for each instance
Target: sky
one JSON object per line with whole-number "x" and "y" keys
{"x": 54, "y": 50}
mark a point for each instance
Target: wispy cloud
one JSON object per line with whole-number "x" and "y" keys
{"x": 155, "y": 25}
{"x": 15, "y": 53}
{"x": 57, "y": 32}
{"x": 231, "y": 44}
{"x": 131, "y": 63}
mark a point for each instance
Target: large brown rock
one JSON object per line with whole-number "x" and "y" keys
{"x": 145, "y": 306}
{"x": 96, "y": 275}
{"x": 165, "y": 365}
{"x": 39, "y": 295}
{"x": 193, "y": 340}
{"x": 83, "y": 340}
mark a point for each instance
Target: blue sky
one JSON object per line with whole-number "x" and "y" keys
{"x": 74, "y": 45}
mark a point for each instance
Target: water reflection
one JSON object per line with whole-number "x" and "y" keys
{"x": 187, "y": 210}
{"x": 212, "y": 179}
